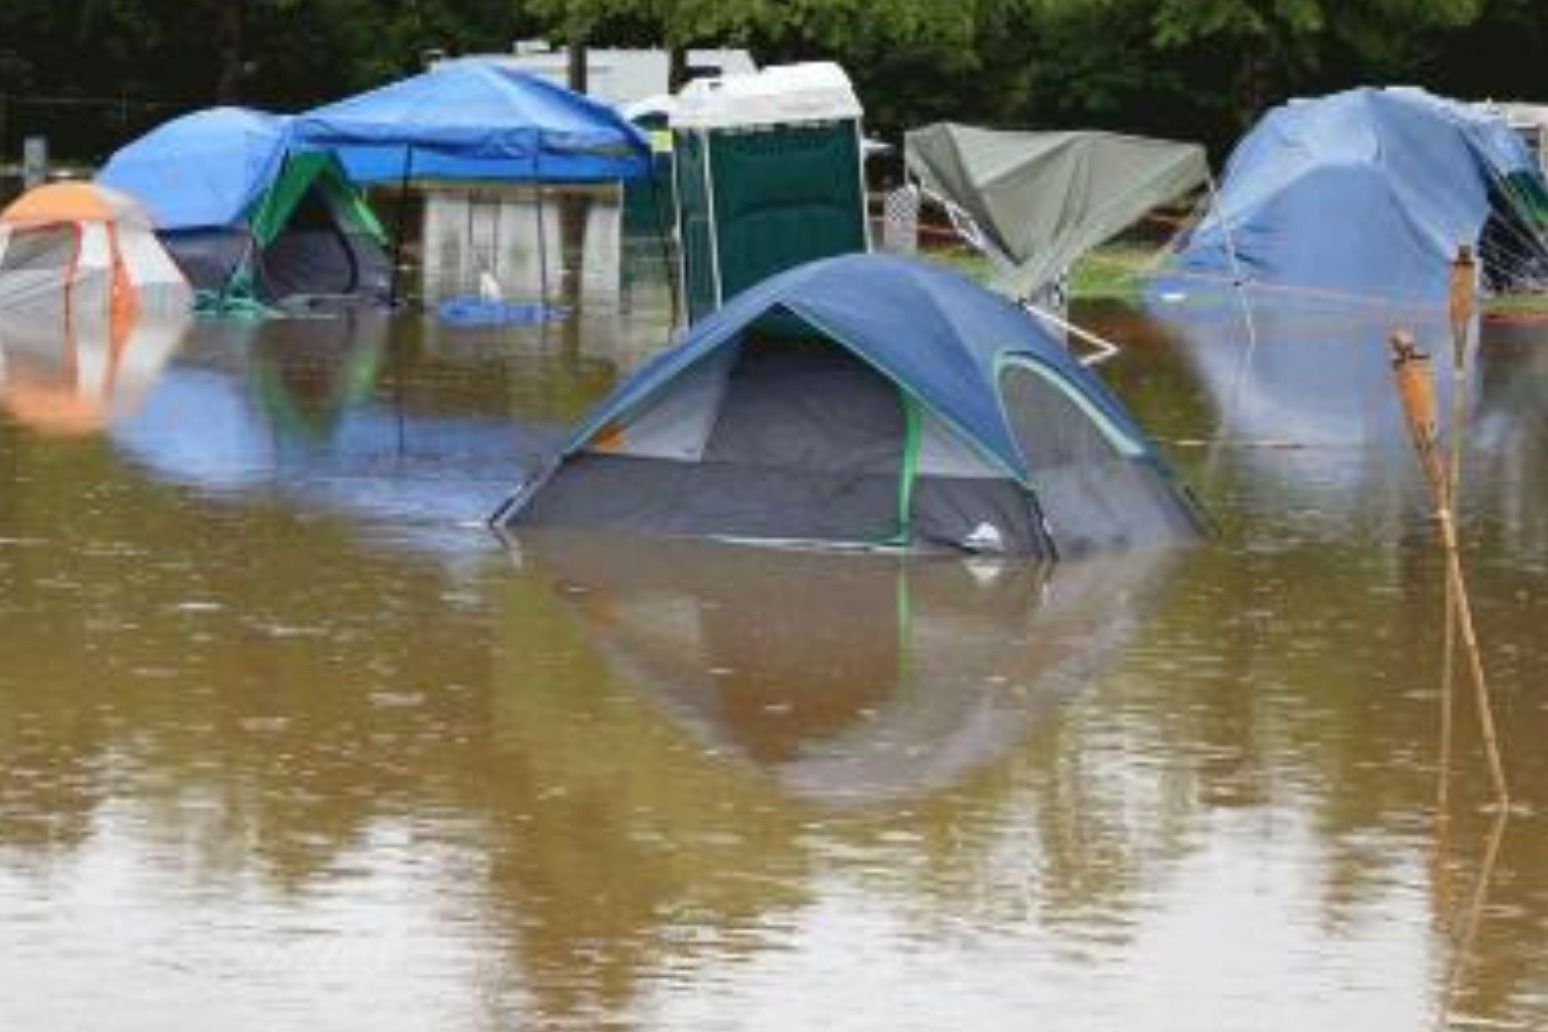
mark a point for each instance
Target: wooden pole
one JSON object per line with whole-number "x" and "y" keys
{"x": 1464, "y": 940}
{"x": 1464, "y": 280}
{"x": 1416, "y": 390}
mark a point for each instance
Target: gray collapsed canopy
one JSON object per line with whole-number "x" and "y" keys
{"x": 1039, "y": 200}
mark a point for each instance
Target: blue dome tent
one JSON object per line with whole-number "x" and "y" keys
{"x": 244, "y": 214}
{"x": 865, "y": 401}
{"x": 1367, "y": 195}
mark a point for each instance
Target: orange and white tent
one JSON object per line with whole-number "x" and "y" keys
{"x": 79, "y": 253}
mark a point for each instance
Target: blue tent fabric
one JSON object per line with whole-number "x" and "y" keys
{"x": 934, "y": 332}
{"x": 476, "y": 119}
{"x": 1366, "y": 193}
{"x": 203, "y": 169}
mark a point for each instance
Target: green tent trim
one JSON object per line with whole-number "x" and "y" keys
{"x": 274, "y": 209}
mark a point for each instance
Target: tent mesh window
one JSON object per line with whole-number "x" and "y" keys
{"x": 1097, "y": 490}
{"x": 45, "y": 248}
{"x": 37, "y": 270}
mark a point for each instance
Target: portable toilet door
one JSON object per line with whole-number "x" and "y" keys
{"x": 769, "y": 173}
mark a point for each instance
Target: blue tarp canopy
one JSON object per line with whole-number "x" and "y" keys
{"x": 476, "y": 119}
{"x": 201, "y": 170}
{"x": 937, "y": 335}
{"x": 1369, "y": 193}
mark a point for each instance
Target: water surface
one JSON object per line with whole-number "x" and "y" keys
{"x": 288, "y": 740}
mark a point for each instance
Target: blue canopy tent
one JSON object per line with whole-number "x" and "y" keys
{"x": 1367, "y": 194}
{"x": 476, "y": 119}
{"x": 866, "y": 401}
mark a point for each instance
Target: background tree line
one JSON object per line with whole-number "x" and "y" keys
{"x": 1199, "y": 69}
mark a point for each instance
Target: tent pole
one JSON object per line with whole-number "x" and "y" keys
{"x": 1105, "y": 349}
{"x": 1239, "y": 287}
{"x": 402, "y": 223}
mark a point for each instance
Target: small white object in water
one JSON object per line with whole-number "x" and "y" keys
{"x": 985, "y": 537}
{"x": 1174, "y": 297}
{"x": 984, "y": 571}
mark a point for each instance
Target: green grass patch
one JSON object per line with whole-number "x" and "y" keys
{"x": 1517, "y": 305}
{"x": 1113, "y": 271}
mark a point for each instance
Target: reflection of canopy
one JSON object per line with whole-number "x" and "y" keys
{"x": 285, "y": 407}
{"x": 72, "y": 380}
{"x": 895, "y": 679}
{"x": 1370, "y": 192}
{"x": 477, "y": 119}
{"x": 1042, "y": 199}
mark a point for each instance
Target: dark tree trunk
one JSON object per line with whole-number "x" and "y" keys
{"x": 677, "y": 67}
{"x": 228, "y": 84}
{"x": 578, "y": 71}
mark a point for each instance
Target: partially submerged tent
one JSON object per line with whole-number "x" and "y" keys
{"x": 1367, "y": 195}
{"x": 477, "y": 119}
{"x": 866, "y": 401}
{"x": 243, "y": 211}
{"x": 82, "y": 254}
{"x": 1037, "y": 201}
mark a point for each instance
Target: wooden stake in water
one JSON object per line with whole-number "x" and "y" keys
{"x": 1416, "y": 389}
{"x": 1463, "y": 306}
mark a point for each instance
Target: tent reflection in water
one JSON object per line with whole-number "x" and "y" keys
{"x": 896, "y": 679}
{"x": 82, "y": 380}
{"x": 91, "y": 308}
{"x": 866, "y": 401}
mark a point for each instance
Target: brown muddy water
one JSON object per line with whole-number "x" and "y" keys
{"x": 289, "y": 741}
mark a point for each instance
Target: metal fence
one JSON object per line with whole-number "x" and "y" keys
{"x": 81, "y": 131}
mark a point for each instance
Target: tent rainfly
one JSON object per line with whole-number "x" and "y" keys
{"x": 1366, "y": 195}
{"x": 1037, "y": 201}
{"x": 865, "y": 401}
{"x": 242, "y": 211}
{"x": 476, "y": 119}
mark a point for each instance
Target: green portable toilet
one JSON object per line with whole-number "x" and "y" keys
{"x": 648, "y": 201}
{"x": 769, "y": 174}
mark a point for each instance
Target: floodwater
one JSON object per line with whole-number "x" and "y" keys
{"x": 288, "y": 740}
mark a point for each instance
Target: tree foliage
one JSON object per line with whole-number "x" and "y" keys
{"x": 1190, "y": 68}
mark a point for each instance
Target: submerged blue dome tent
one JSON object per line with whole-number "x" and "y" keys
{"x": 866, "y": 401}
{"x": 203, "y": 169}
{"x": 1368, "y": 194}
{"x": 243, "y": 213}
{"x": 477, "y": 119}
